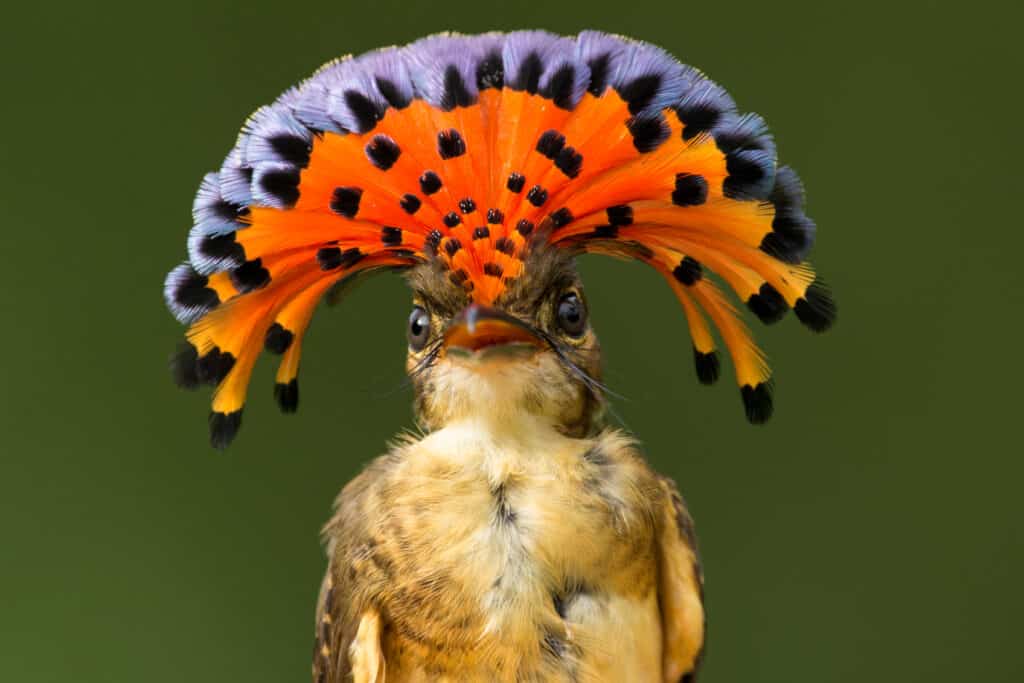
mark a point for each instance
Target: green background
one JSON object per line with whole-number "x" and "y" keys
{"x": 870, "y": 532}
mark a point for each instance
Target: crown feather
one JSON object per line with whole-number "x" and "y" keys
{"x": 466, "y": 151}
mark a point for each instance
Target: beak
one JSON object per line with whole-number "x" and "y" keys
{"x": 485, "y": 330}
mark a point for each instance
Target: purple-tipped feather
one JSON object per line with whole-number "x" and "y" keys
{"x": 793, "y": 232}
{"x": 265, "y": 131}
{"x": 213, "y": 217}
{"x": 609, "y": 50}
{"x": 432, "y": 59}
{"x": 390, "y": 74}
{"x": 310, "y": 107}
{"x": 644, "y": 63}
{"x": 186, "y": 294}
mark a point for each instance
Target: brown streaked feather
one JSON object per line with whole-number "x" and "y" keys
{"x": 680, "y": 589}
{"x": 348, "y": 582}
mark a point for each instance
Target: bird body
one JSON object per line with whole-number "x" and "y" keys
{"x": 516, "y": 537}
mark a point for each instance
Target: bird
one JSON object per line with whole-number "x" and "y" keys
{"x": 517, "y": 534}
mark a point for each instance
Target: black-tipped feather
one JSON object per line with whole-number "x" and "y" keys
{"x": 757, "y": 402}
{"x": 184, "y": 367}
{"x": 816, "y": 309}
{"x": 287, "y": 396}
{"x": 708, "y": 366}
{"x": 768, "y": 304}
{"x": 223, "y": 428}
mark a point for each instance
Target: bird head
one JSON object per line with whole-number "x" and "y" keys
{"x": 530, "y": 352}
{"x": 480, "y": 166}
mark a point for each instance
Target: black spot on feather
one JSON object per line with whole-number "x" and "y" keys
{"x": 768, "y": 304}
{"x": 747, "y": 174}
{"x": 410, "y": 203}
{"x": 282, "y": 185}
{"x": 524, "y": 227}
{"x": 229, "y": 211}
{"x": 640, "y": 92}
{"x": 528, "y": 77}
{"x": 390, "y": 236}
{"x": 430, "y": 182}
{"x": 345, "y": 201}
{"x": 495, "y": 216}
{"x": 455, "y": 92}
{"x": 562, "y": 217}
{"x": 192, "y": 292}
{"x": 451, "y": 219}
{"x": 493, "y": 269}
{"x": 391, "y": 94}
{"x": 452, "y": 246}
{"x": 697, "y": 118}
{"x": 569, "y": 162}
{"x": 450, "y": 144}
{"x": 467, "y": 205}
{"x": 490, "y": 72}
{"x": 515, "y": 183}
{"x": 691, "y": 190}
{"x": 383, "y": 152}
{"x": 550, "y": 143}
{"x": 505, "y": 245}
{"x": 559, "y": 87}
{"x": 278, "y": 338}
{"x": 291, "y": 148}
{"x": 792, "y": 231}
{"x": 287, "y": 395}
{"x": 222, "y": 247}
{"x": 740, "y": 134}
{"x": 648, "y": 131}
{"x": 331, "y": 258}
{"x": 537, "y": 195}
{"x": 250, "y": 276}
{"x": 482, "y": 232}
{"x": 432, "y": 241}
{"x": 621, "y": 214}
{"x": 598, "y": 75}
{"x": 214, "y": 366}
{"x": 223, "y": 428}
{"x": 365, "y": 111}
{"x": 688, "y": 271}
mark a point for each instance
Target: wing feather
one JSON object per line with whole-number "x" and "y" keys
{"x": 680, "y": 590}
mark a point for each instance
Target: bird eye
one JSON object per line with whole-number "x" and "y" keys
{"x": 419, "y": 328}
{"x": 572, "y": 315}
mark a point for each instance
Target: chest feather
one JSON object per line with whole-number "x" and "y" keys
{"x": 516, "y": 551}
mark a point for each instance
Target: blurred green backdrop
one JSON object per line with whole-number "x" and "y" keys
{"x": 870, "y": 532}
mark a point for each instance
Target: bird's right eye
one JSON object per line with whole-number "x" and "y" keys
{"x": 419, "y": 328}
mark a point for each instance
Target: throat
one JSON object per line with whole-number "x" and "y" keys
{"x": 507, "y": 399}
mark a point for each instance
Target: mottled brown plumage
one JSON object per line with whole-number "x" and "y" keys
{"x": 517, "y": 538}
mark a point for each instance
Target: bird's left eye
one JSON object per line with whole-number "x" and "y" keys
{"x": 419, "y": 328}
{"x": 572, "y": 315}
